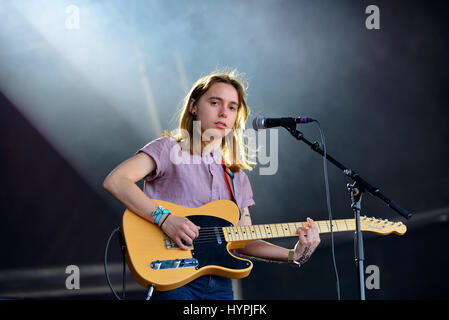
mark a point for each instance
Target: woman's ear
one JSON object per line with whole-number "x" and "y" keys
{"x": 192, "y": 106}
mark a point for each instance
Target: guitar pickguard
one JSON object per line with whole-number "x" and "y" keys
{"x": 210, "y": 248}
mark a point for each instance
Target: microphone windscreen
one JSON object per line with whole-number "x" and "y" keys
{"x": 258, "y": 123}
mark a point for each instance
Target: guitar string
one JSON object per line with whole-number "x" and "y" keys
{"x": 320, "y": 223}
{"x": 212, "y": 231}
{"x": 209, "y": 234}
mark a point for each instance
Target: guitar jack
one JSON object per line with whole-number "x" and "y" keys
{"x": 150, "y": 292}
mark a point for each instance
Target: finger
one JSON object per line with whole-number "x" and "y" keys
{"x": 312, "y": 231}
{"x": 181, "y": 245}
{"x": 188, "y": 239}
{"x": 312, "y": 224}
{"x": 195, "y": 229}
{"x": 302, "y": 235}
{"x": 190, "y": 233}
{"x": 314, "y": 228}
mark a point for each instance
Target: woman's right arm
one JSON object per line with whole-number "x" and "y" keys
{"x": 121, "y": 184}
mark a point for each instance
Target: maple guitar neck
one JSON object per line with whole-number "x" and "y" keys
{"x": 281, "y": 230}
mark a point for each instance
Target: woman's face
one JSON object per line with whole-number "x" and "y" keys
{"x": 217, "y": 109}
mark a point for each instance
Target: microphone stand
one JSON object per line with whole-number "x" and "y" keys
{"x": 356, "y": 190}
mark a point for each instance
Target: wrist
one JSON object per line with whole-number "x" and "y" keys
{"x": 158, "y": 214}
{"x": 291, "y": 258}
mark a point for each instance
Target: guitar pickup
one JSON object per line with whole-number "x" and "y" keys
{"x": 174, "y": 264}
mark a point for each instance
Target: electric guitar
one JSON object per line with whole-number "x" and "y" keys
{"x": 154, "y": 258}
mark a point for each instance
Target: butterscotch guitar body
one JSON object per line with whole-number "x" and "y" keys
{"x": 154, "y": 259}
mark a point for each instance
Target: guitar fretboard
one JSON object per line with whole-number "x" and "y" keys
{"x": 281, "y": 230}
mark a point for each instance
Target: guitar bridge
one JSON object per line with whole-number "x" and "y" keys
{"x": 170, "y": 244}
{"x": 174, "y": 264}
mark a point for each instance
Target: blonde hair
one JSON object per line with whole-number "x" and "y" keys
{"x": 234, "y": 150}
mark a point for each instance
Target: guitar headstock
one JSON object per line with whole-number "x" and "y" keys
{"x": 380, "y": 226}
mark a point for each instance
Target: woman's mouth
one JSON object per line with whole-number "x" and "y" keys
{"x": 220, "y": 125}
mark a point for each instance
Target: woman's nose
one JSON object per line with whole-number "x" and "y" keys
{"x": 223, "y": 112}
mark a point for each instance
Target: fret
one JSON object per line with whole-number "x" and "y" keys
{"x": 268, "y": 230}
{"x": 293, "y": 228}
{"x": 226, "y": 233}
{"x": 289, "y": 226}
{"x": 250, "y": 232}
{"x": 257, "y": 232}
{"x": 245, "y": 232}
{"x": 262, "y": 231}
{"x": 260, "y": 235}
{"x": 286, "y": 229}
{"x": 271, "y": 231}
{"x": 342, "y": 227}
{"x": 275, "y": 230}
{"x": 240, "y": 233}
{"x": 279, "y": 230}
{"x": 325, "y": 225}
{"x": 351, "y": 223}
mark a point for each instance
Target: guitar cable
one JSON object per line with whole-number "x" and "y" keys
{"x": 329, "y": 209}
{"x": 124, "y": 265}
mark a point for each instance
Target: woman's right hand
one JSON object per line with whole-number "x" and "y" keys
{"x": 179, "y": 229}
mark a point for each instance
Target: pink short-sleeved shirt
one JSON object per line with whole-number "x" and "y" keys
{"x": 191, "y": 180}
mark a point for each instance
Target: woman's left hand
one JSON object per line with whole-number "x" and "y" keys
{"x": 309, "y": 239}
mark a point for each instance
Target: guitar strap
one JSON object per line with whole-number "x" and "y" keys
{"x": 229, "y": 177}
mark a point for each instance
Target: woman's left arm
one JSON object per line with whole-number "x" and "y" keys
{"x": 308, "y": 240}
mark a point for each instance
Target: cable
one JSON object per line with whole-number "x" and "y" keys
{"x": 329, "y": 209}
{"x": 105, "y": 263}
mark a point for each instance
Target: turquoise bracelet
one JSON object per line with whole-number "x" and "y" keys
{"x": 159, "y": 213}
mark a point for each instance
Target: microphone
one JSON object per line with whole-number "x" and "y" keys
{"x": 265, "y": 123}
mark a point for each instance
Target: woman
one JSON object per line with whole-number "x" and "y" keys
{"x": 187, "y": 170}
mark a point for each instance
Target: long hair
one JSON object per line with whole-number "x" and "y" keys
{"x": 234, "y": 150}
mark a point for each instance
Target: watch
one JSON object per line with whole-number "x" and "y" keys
{"x": 291, "y": 259}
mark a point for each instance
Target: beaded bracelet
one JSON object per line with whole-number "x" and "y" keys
{"x": 164, "y": 219}
{"x": 159, "y": 213}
